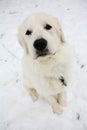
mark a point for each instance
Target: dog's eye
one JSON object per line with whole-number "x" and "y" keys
{"x": 28, "y": 32}
{"x": 48, "y": 27}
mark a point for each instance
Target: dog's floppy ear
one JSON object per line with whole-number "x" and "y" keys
{"x": 59, "y": 31}
{"x": 22, "y": 42}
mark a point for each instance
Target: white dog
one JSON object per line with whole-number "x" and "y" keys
{"x": 47, "y": 60}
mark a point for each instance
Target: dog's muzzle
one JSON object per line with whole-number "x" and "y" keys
{"x": 40, "y": 46}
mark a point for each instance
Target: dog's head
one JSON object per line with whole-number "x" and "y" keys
{"x": 40, "y": 35}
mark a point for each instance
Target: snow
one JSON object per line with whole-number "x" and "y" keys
{"x": 17, "y": 111}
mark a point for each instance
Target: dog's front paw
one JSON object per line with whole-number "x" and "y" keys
{"x": 57, "y": 109}
{"x": 61, "y": 99}
{"x": 62, "y": 102}
{"x": 34, "y": 98}
{"x": 33, "y": 94}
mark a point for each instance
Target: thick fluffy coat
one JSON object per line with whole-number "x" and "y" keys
{"x": 47, "y": 60}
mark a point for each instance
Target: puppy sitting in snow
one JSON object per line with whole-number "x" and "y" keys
{"x": 47, "y": 60}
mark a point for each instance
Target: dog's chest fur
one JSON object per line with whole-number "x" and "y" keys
{"x": 45, "y": 76}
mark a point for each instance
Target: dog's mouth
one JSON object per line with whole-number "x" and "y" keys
{"x": 42, "y": 53}
{"x": 45, "y": 53}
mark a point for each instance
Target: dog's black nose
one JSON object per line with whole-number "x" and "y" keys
{"x": 40, "y": 44}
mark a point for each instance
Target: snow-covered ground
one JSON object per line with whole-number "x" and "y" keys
{"x": 17, "y": 111}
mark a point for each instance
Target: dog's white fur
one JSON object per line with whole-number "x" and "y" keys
{"x": 42, "y": 74}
